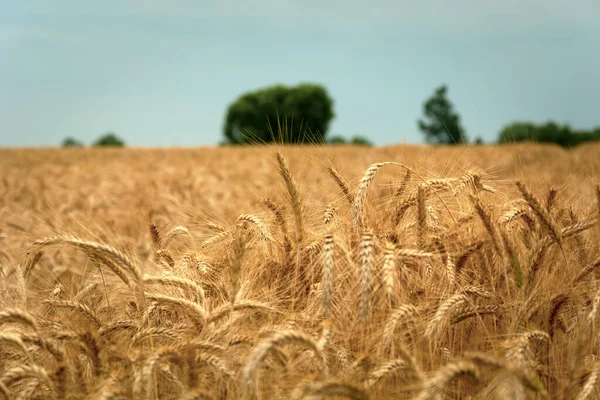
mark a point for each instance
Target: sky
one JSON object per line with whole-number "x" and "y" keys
{"x": 162, "y": 73}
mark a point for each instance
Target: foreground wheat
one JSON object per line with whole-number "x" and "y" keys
{"x": 441, "y": 289}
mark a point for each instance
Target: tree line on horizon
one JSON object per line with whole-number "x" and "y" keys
{"x": 261, "y": 116}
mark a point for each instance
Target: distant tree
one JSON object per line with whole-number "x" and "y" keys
{"x": 518, "y": 132}
{"x": 337, "y": 140}
{"x": 478, "y": 140}
{"x": 442, "y": 124}
{"x": 256, "y": 116}
{"x": 361, "y": 141}
{"x": 71, "y": 142}
{"x": 550, "y": 132}
{"x": 110, "y": 140}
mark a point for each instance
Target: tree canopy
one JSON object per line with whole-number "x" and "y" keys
{"x": 109, "y": 140}
{"x": 550, "y": 132}
{"x": 442, "y": 123}
{"x": 71, "y": 142}
{"x": 255, "y": 116}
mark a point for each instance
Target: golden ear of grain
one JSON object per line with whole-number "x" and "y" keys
{"x": 195, "y": 311}
{"x": 459, "y": 370}
{"x": 333, "y": 389}
{"x": 513, "y": 257}
{"x": 219, "y": 237}
{"x": 164, "y": 255}
{"x": 16, "y": 315}
{"x": 33, "y": 371}
{"x": 31, "y": 262}
{"x": 342, "y": 183}
{"x": 400, "y": 190}
{"x": 292, "y": 189}
{"x": 175, "y": 231}
{"x": 225, "y": 309}
{"x": 466, "y": 253}
{"x": 389, "y": 269}
{"x": 384, "y": 370}
{"x": 361, "y": 193}
{"x": 94, "y": 247}
{"x": 541, "y": 212}
{"x": 155, "y": 235}
{"x": 488, "y": 223}
{"x": 330, "y": 213}
{"x": 551, "y": 199}
{"x": 590, "y": 384}
{"x": 403, "y": 316}
{"x": 76, "y": 306}
{"x": 445, "y": 310}
{"x": 280, "y": 222}
{"x": 263, "y": 349}
{"x": 14, "y": 340}
{"x": 248, "y": 219}
{"x": 176, "y": 282}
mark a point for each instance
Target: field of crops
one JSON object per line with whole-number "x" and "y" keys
{"x": 406, "y": 272}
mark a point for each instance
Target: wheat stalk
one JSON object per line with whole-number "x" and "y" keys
{"x": 327, "y": 274}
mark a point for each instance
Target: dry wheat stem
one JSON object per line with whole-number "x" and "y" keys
{"x": 327, "y": 274}
{"x": 365, "y": 283}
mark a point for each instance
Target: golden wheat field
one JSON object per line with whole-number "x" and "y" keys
{"x": 406, "y": 272}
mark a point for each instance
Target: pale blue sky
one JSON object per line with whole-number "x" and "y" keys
{"x": 162, "y": 73}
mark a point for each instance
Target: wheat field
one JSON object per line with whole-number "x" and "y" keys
{"x": 275, "y": 272}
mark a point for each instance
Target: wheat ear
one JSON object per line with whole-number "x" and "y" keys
{"x": 174, "y": 281}
{"x": 434, "y": 386}
{"x": 263, "y": 349}
{"x": 292, "y": 189}
{"x": 194, "y": 310}
{"x": 590, "y": 384}
{"x": 542, "y": 213}
{"x": 389, "y": 270}
{"x": 94, "y": 247}
{"x": 333, "y": 389}
{"x": 443, "y": 312}
{"x": 342, "y": 183}
{"x": 15, "y": 315}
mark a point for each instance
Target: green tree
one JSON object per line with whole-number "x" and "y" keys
{"x": 518, "y": 132}
{"x": 361, "y": 141}
{"x": 550, "y": 132}
{"x": 338, "y": 139}
{"x": 554, "y": 133}
{"x": 442, "y": 124}
{"x": 71, "y": 142}
{"x": 110, "y": 140}
{"x": 256, "y": 116}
